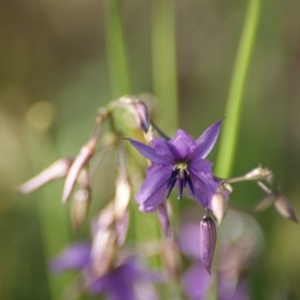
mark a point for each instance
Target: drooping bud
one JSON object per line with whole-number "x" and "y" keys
{"x": 80, "y": 162}
{"x": 122, "y": 228}
{"x": 219, "y": 206}
{"x": 207, "y": 241}
{"x": 80, "y": 207}
{"x": 265, "y": 202}
{"x": 141, "y": 115}
{"x": 285, "y": 209}
{"x": 105, "y": 219}
{"x": 103, "y": 250}
{"x": 163, "y": 217}
{"x": 55, "y": 171}
{"x": 104, "y": 238}
{"x": 137, "y": 107}
{"x": 122, "y": 197}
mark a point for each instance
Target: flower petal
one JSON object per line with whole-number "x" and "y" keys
{"x": 150, "y": 153}
{"x": 152, "y": 192}
{"x": 206, "y": 141}
{"x": 163, "y": 147}
{"x": 204, "y": 187}
{"x": 196, "y": 289}
{"x": 76, "y": 256}
{"x": 183, "y": 143}
{"x": 121, "y": 291}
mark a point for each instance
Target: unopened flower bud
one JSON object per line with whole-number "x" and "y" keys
{"x": 138, "y": 108}
{"x": 163, "y": 217}
{"x": 207, "y": 241}
{"x": 80, "y": 162}
{"x": 122, "y": 197}
{"x": 105, "y": 219}
{"x": 284, "y": 207}
{"x": 219, "y": 206}
{"x": 83, "y": 178}
{"x": 122, "y": 228}
{"x": 57, "y": 170}
{"x": 103, "y": 250}
{"x": 265, "y": 202}
{"x": 141, "y": 115}
{"x": 80, "y": 207}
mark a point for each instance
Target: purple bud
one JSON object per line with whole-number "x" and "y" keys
{"x": 141, "y": 115}
{"x": 284, "y": 207}
{"x": 207, "y": 241}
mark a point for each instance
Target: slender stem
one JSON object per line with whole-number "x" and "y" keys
{"x": 116, "y": 50}
{"x": 237, "y": 87}
{"x": 160, "y": 132}
{"x": 164, "y": 63}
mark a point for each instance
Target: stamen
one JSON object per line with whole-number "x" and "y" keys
{"x": 173, "y": 177}
{"x": 170, "y": 187}
{"x": 180, "y": 188}
{"x": 185, "y": 177}
{"x": 190, "y": 183}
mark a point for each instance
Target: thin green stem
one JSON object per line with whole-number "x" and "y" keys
{"x": 234, "y": 102}
{"x": 164, "y": 64}
{"x": 116, "y": 50}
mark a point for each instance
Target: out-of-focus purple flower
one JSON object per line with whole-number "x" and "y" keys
{"x": 118, "y": 283}
{"x": 179, "y": 161}
{"x": 241, "y": 241}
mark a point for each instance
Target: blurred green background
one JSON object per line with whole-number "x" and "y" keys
{"x": 54, "y": 74}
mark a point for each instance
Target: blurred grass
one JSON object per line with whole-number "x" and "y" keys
{"x": 55, "y": 51}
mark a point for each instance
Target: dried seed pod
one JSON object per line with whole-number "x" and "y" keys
{"x": 207, "y": 241}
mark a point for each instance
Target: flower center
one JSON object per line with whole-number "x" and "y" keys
{"x": 181, "y": 174}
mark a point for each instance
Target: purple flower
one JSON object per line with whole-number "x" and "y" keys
{"x": 118, "y": 283}
{"x": 179, "y": 161}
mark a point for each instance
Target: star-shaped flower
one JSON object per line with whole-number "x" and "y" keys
{"x": 179, "y": 161}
